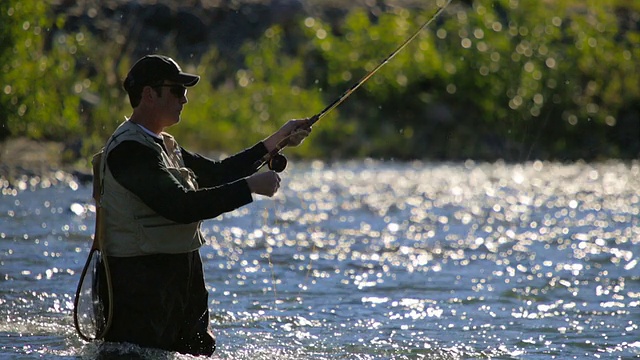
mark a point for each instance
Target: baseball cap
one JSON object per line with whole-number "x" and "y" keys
{"x": 154, "y": 70}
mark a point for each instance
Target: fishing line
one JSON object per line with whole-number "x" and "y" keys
{"x": 539, "y": 133}
{"x": 265, "y": 218}
{"x": 304, "y": 286}
{"x": 277, "y": 161}
{"x": 274, "y": 280}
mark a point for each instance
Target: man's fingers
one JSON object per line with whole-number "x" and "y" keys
{"x": 266, "y": 183}
{"x": 297, "y": 136}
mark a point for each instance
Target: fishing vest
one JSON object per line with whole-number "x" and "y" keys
{"x": 131, "y": 227}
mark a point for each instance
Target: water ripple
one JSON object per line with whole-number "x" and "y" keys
{"x": 372, "y": 261}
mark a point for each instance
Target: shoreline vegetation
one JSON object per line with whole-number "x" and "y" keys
{"x": 27, "y": 163}
{"x": 504, "y": 80}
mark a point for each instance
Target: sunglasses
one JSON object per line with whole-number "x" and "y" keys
{"x": 178, "y": 91}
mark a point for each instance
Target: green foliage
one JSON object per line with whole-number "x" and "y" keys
{"x": 252, "y": 104}
{"x": 518, "y": 79}
{"x": 508, "y": 79}
{"x": 382, "y": 115}
{"x": 38, "y": 81}
{"x": 544, "y": 75}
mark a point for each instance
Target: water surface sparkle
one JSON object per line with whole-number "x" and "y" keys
{"x": 372, "y": 261}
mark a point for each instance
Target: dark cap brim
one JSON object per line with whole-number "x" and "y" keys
{"x": 186, "y": 79}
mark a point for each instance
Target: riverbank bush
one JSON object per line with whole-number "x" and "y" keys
{"x": 507, "y": 79}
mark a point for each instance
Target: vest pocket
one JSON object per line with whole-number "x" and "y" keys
{"x": 154, "y": 220}
{"x": 160, "y": 235}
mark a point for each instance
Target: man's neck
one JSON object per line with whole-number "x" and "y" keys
{"x": 146, "y": 123}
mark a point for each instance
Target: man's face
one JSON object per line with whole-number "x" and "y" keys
{"x": 169, "y": 103}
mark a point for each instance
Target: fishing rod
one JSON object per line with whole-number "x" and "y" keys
{"x": 278, "y": 162}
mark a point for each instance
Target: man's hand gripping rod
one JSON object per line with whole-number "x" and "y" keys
{"x": 277, "y": 161}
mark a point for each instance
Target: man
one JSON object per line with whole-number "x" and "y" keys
{"x": 154, "y": 195}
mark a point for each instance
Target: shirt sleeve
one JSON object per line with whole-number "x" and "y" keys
{"x": 215, "y": 173}
{"x": 140, "y": 170}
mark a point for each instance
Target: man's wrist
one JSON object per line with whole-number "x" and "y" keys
{"x": 271, "y": 142}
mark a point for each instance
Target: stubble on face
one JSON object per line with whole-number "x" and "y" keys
{"x": 170, "y": 108}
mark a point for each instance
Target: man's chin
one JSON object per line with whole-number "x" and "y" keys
{"x": 175, "y": 122}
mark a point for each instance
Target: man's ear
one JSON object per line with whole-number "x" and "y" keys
{"x": 148, "y": 94}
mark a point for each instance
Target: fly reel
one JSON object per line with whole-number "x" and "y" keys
{"x": 277, "y": 163}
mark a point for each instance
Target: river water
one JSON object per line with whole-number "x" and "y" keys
{"x": 370, "y": 260}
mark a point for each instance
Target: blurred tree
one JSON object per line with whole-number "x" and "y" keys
{"x": 38, "y": 77}
{"x": 507, "y": 79}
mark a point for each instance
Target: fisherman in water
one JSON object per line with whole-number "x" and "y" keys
{"x": 155, "y": 195}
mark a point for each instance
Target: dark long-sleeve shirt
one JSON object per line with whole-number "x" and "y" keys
{"x": 222, "y": 187}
